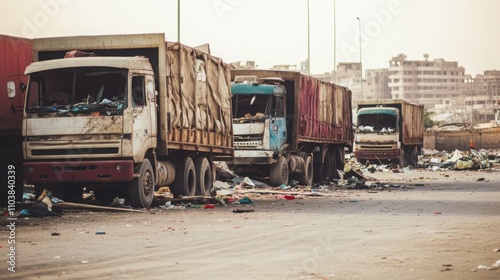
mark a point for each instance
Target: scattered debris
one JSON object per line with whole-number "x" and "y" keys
{"x": 242, "y": 210}
{"x": 43, "y": 205}
{"x": 96, "y": 207}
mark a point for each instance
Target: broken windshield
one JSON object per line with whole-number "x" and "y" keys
{"x": 77, "y": 90}
{"x": 251, "y": 107}
{"x": 377, "y": 123}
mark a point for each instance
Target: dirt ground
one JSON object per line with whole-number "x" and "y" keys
{"x": 429, "y": 225}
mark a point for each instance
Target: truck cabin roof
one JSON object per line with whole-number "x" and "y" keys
{"x": 136, "y": 63}
{"x": 378, "y": 110}
{"x": 257, "y": 89}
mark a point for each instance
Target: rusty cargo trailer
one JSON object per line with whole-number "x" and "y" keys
{"x": 389, "y": 131}
{"x": 105, "y": 112}
{"x": 289, "y": 125}
{"x": 15, "y": 55}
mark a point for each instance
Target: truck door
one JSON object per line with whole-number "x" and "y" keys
{"x": 278, "y": 123}
{"x": 143, "y": 128}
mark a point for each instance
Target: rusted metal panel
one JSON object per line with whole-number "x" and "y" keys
{"x": 75, "y": 125}
{"x": 15, "y": 55}
{"x": 79, "y": 171}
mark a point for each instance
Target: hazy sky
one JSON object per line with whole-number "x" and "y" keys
{"x": 275, "y": 31}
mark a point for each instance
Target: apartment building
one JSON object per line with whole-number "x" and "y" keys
{"x": 482, "y": 95}
{"x": 424, "y": 81}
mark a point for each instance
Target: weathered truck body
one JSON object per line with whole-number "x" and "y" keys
{"x": 289, "y": 125}
{"x": 15, "y": 55}
{"x": 125, "y": 111}
{"x": 389, "y": 131}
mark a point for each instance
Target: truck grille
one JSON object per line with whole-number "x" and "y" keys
{"x": 248, "y": 144}
{"x": 375, "y": 147}
{"x": 91, "y": 151}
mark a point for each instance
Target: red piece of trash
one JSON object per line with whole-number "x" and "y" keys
{"x": 209, "y": 206}
{"x": 289, "y": 197}
{"x": 437, "y": 213}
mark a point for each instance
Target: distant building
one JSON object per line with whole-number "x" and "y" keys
{"x": 425, "y": 82}
{"x": 348, "y": 74}
{"x": 248, "y": 65}
{"x": 377, "y": 84}
{"x": 285, "y": 67}
{"x": 483, "y": 95}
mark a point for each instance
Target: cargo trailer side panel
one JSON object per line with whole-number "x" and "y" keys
{"x": 15, "y": 55}
{"x": 199, "y": 101}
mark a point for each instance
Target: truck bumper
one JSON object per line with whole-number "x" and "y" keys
{"x": 245, "y": 157}
{"x": 377, "y": 155}
{"x": 78, "y": 171}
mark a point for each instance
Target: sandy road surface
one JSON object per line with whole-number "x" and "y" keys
{"x": 356, "y": 234}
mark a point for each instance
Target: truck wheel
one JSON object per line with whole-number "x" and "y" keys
{"x": 141, "y": 190}
{"x": 204, "y": 176}
{"x": 306, "y": 177}
{"x": 334, "y": 165}
{"x": 279, "y": 172}
{"x": 328, "y": 166}
{"x": 401, "y": 158}
{"x": 185, "y": 178}
{"x": 413, "y": 159}
{"x": 339, "y": 158}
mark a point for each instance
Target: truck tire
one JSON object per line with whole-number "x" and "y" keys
{"x": 328, "y": 166}
{"x": 402, "y": 158}
{"x": 141, "y": 190}
{"x": 306, "y": 177}
{"x": 413, "y": 159}
{"x": 204, "y": 176}
{"x": 339, "y": 158}
{"x": 185, "y": 178}
{"x": 333, "y": 174}
{"x": 279, "y": 172}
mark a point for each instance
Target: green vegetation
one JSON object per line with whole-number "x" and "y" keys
{"x": 428, "y": 122}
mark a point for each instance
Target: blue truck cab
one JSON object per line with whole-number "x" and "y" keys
{"x": 259, "y": 121}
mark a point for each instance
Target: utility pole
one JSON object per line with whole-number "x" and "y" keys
{"x": 334, "y": 43}
{"x": 308, "y": 41}
{"x": 360, "y": 59}
{"x": 179, "y": 21}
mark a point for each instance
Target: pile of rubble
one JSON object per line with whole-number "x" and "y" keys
{"x": 459, "y": 160}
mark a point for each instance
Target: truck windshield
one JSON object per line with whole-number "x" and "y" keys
{"x": 77, "y": 90}
{"x": 377, "y": 123}
{"x": 251, "y": 107}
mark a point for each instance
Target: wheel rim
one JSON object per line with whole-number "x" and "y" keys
{"x": 284, "y": 173}
{"x": 147, "y": 183}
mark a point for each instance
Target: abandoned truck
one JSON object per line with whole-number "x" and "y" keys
{"x": 389, "y": 131}
{"x": 125, "y": 112}
{"x": 15, "y": 55}
{"x": 288, "y": 125}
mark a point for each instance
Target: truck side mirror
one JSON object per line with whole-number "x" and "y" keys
{"x": 11, "y": 89}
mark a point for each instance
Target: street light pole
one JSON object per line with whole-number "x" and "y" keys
{"x": 334, "y": 43}
{"x": 360, "y": 59}
{"x": 178, "y": 20}
{"x": 308, "y": 41}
